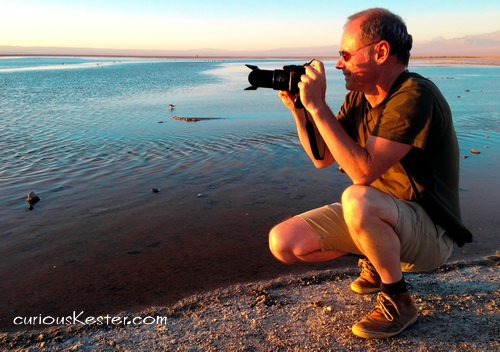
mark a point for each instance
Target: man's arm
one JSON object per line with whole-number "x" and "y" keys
{"x": 300, "y": 122}
{"x": 362, "y": 164}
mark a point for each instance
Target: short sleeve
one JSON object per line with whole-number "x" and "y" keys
{"x": 406, "y": 117}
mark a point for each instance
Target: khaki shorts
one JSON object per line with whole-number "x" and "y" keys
{"x": 424, "y": 245}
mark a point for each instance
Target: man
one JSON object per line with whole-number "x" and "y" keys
{"x": 394, "y": 138}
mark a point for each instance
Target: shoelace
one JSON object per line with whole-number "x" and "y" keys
{"x": 367, "y": 268}
{"x": 381, "y": 303}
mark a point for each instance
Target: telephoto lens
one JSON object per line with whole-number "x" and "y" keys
{"x": 286, "y": 79}
{"x": 260, "y": 78}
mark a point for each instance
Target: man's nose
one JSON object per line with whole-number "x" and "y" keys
{"x": 340, "y": 64}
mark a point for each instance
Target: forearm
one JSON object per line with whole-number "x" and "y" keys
{"x": 304, "y": 137}
{"x": 354, "y": 159}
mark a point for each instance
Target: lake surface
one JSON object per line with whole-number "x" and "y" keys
{"x": 72, "y": 127}
{"x": 93, "y": 136}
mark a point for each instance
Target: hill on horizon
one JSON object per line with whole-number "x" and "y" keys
{"x": 471, "y": 45}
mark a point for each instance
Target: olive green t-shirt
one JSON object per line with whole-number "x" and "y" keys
{"x": 415, "y": 113}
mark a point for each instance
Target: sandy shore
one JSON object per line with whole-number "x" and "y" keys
{"x": 458, "y": 307}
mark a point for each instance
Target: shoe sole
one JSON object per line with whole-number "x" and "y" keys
{"x": 365, "y": 290}
{"x": 381, "y": 335}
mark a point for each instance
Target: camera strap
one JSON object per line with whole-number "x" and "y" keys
{"x": 312, "y": 138}
{"x": 311, "y": 134}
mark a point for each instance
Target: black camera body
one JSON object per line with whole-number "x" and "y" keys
{"x": 286, "y": 79}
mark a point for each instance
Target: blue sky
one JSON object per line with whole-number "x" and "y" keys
{"x": 224, "y": 24}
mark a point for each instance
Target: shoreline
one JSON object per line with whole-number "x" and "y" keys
{"x": 156, "y": 258}
{"x": 312, "y": 311}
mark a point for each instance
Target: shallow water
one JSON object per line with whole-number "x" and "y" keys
{"x": 93, "y": 136}
{"x": 73, "y": 127}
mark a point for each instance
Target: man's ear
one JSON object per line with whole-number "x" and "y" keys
{"x": 382, "y": 51}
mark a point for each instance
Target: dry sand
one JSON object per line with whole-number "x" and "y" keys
{"x": 458, "y": 306}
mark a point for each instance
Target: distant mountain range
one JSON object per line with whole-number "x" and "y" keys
{"x": 476, "y": 45}
{"x": 472, "y": 45}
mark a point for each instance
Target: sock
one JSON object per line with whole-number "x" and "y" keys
{"x": 395, "y": 288}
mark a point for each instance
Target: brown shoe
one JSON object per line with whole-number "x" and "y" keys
{"x": 392, "y": 315}
{"x": 368, "y": 281}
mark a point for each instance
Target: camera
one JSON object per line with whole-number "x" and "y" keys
{"x": 286, "y": 79}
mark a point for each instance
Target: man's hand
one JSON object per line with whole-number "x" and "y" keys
{"x": 313, "y": 86}
{"x": 288, "y": 99}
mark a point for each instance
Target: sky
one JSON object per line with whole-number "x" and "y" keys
{"x": 224, "y": 24}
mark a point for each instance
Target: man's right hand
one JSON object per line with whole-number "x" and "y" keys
{"x": 288, "y": 99}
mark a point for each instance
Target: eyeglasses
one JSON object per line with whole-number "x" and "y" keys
{"x": 347, "y": 56}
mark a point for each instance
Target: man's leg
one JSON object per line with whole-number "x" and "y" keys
{"x": 371, "y": 216}
{"x": 293, "y": 240}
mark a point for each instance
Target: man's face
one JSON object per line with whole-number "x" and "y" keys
{"x": 357, "y": 65}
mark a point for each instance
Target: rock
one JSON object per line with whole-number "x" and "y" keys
{"x": 32, "y": 199}
{"x": 195, "y": 119}
{"x": 187, "y": 119}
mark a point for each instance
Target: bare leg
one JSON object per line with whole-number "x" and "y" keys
{"x": 371, "y": 216}
{"x": 293, "y": 240}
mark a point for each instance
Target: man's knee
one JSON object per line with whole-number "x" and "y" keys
{"x": 279, "y": 244}
{"x": 289, "y": 240}
{"x": 275, "y": 240}
{"x": 356, "y": 202}
{"x": 365, "y": 203}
